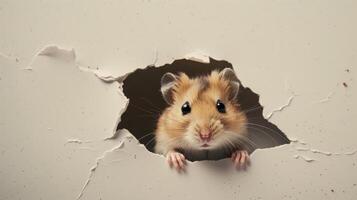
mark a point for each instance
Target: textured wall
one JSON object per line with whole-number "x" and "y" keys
{"x": 58, "y": 106}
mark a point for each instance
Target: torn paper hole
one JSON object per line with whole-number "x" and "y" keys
{"x": 142, "y": 88}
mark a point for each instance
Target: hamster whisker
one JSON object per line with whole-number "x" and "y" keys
{"x": 144, "y": 136}
{"x": 262, "y": 131}
{"x": 259, "y": 117}
{"x": 149, "y": 115}
{"x": 151, "y": 140}
{"x": 252, "y": 109}
{"x": 249, "y": 145}
{"x": 231, "y": 146}
{"x": 258, "y": 125}
{"x": 226, "y": 148}
{"x": 145, "y": 105}
{"x": 244, "y": 145}
{"x": 241, "y": 139}
{"x": 215, "y": 131}
{"x": 145, "y": 110}
{"x": 151, "y": 104}
{"x": 229, "y": 141}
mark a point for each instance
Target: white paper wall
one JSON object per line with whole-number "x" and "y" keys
{"x": 55, "y": 113}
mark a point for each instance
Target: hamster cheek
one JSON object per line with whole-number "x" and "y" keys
{"x": 190, "y": 136}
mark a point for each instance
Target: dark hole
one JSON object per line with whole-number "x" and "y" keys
{"x": 142, "y": 87}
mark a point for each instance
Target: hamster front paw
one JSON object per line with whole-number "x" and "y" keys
{"x": 176, "y": 160}
{"x": 240, "y": 159}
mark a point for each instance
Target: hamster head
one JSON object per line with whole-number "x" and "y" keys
{"x": 203, "y": 113}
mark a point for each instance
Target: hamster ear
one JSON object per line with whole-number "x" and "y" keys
{"x": 229, "y": 75}
{"x": 168, "y": 81}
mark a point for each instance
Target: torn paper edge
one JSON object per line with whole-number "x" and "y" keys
{"x": 53, "y": 51}
{"x": 75, "y": 141}
{"x": 326, "y": 153}
{"x": 198, "y": 56}
{"x": 283, "y": 107}
{"x": 94, "y": 168}
{"x": 294, "y": 140}
{"x": 115, "y": 131}
{"x": 317, "y": 151}
{"x": 307, "y": 159}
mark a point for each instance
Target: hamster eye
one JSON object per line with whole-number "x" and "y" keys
{"x": 186, "y": 108}
{"x": 220, "y": 106}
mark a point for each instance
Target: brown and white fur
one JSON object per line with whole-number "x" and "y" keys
{"x": 205, "y": 126}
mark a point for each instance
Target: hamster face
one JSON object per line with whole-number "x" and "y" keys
{"x": 203, "y": 114}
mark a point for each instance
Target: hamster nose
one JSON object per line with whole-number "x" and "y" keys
{"x": 205, "y": 135}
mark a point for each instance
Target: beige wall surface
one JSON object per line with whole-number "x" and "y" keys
{"x": 58, "y": 105}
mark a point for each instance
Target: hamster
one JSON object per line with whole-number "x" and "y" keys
{"x": 202, "y": 115}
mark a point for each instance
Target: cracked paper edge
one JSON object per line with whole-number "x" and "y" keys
{"x": 94, "y": 168}
{"x": 316, "y": 151}
{"x": 52, "y": 51}
{"x": 281, "y": 108}
{"x": 198, "y": 56}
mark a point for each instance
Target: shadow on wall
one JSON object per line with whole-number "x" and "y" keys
{"x": 146, "y": 103}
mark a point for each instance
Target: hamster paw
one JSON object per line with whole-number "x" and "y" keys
{"x": 176, "y": 160}
{"x": 240, "y": 159}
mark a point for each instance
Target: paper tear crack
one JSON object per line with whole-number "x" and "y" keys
{"x": 351, "y": 153}
{"x": 104, "y": 76}
{"x": 283, "y": 107}
{"x": 156, "y": 58}
{"x": 302, "y": 149}
{"x": 94, "y": 168}
{"x": 321, "y": 152}
{"x": 198, "y": 56}
{"x": 9, "y": 57}
{"x": 326, "y": 153}
{"x": 307, "y": 159}
{"x": 294, "y": 140}
{"x": 109, "y": 78}
{"x": 115, "y": 132}
{"x": 5, "y": 56}
{"x": 328, "y": 98}
{"x": 54, "y": 51}
{"x": 76, "y": 141}
{"x": 317, "y": 151}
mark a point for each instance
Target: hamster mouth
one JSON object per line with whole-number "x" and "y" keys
{"x": 205, "y": 145}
